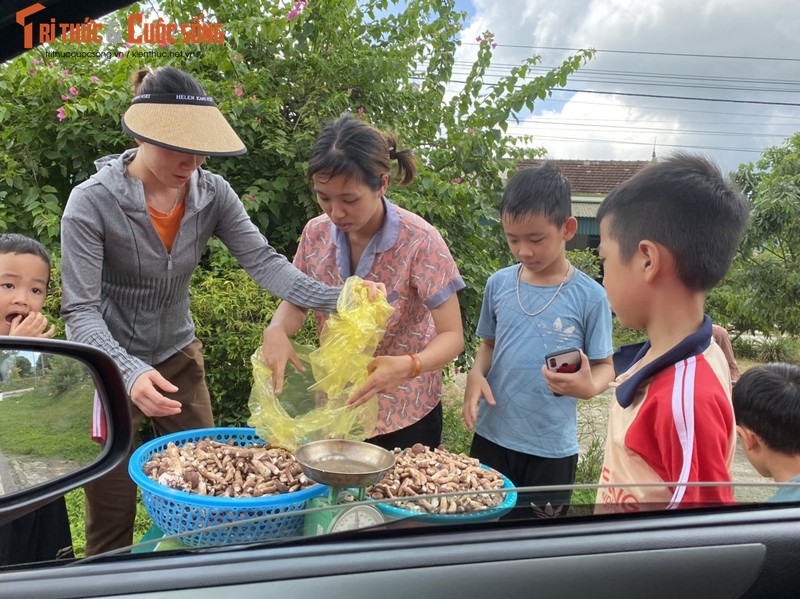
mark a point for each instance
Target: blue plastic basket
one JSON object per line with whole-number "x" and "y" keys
{"x": 493, "y": 513}
{"x": 176, "y": 512}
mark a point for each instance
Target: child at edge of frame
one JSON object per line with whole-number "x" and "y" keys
{"x": 671, "y": 421}
{"x": 44, "y": 534}
{"x": 524, "y": 416}
{"x": 766, "y": 403}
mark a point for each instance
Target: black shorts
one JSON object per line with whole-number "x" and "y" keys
{"x": 427, "y": 431}
{"x": 525, "y": 470}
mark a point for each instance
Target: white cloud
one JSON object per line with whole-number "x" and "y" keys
{"x": 657, "y": 30}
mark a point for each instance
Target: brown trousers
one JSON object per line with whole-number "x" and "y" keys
{"x": 111, "y": 499}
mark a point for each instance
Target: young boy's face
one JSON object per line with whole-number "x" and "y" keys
{"x": 537, "y": 243}
{"x": 619, "y": 280}
{"x": 23, "y": 287}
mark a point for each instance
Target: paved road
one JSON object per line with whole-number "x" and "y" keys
{"x": 23, "y": 472}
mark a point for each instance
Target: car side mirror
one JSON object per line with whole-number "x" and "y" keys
{"x": 50, "y": 393}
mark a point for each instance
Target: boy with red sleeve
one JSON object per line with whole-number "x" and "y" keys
{"x": 667, "y": 236}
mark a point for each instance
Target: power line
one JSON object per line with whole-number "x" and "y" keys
{"x": 581, "y": 78}
{"x": 530, "y": 125}
{"x": 578, "y": 120}
{"x": 641, "y": 143}
{"x": 643, "y": 53}
{"x": 504, "y": 69}
{"x": 692, "y": 98}
{"x": 661, "y": 96}
{"x": 663, "y": 108}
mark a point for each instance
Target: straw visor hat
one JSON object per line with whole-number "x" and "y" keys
{"x": 182, "y": 122}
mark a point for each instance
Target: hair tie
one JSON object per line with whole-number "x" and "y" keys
{"x": 392, "y": 153}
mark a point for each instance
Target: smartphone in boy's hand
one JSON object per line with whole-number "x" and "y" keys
{"x": 565, "y": 360}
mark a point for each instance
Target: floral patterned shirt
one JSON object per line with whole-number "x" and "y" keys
{"x": 409, "y": 256}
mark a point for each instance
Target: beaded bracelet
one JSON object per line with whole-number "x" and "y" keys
{"x": 416, "y": 364}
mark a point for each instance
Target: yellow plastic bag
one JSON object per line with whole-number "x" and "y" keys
{"x": 312, "y": 404}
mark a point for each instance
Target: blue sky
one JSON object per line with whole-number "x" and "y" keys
{"x": 719, "y": 78}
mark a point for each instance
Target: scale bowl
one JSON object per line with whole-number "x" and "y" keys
{"x": 344, "y": 464}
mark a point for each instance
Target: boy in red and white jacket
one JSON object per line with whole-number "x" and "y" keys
{"x": 667, "y": 236}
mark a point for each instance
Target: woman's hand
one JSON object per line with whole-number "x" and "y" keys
{"x": 145, "y": 395}
{"x": 375, "y": 289}
{"x": 386, "y": 373}
{"x": 34, "y": 324}
{"x": 277, "y": 350}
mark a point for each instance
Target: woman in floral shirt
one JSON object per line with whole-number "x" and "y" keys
{"x": 362, "y": 233}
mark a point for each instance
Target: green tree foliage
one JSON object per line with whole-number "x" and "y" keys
{"x": 65, "y": 373}
{"x": 762, "y": 290}
{"x": 24, "y": 366}
{"x": 279, "y": 76}
{"x": 230, "y": 310}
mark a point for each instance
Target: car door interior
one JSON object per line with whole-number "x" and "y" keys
{"x": 735, "y": 553}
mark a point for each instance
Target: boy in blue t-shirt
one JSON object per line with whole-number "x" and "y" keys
{"x": 526, "y": 427}
{"x": 766, "y": 403}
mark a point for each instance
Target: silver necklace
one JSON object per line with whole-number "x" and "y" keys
{"x": 550, "y": 301}
{"x": 171, "y": 210}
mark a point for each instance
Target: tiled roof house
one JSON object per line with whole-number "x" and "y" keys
{"x": 591, "y": 181}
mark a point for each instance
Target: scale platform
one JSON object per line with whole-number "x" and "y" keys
{"x": 348, "y": 467}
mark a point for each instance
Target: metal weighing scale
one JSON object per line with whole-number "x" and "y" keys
{"x": 345, "y": 466}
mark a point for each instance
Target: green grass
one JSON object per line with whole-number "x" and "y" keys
{"x": 46, "y": 423}
{"x": 77, "y": 520}
{"x": 456, "y": 437}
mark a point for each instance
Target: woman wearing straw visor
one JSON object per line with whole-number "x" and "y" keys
{"x": 132, "y": 235}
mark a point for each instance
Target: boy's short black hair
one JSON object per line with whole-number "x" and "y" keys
{"x": 685, "y": 204}
{"x": 766, "y": 400}
{"x": 542, "y": 190}
{"x": 14, "y": 243}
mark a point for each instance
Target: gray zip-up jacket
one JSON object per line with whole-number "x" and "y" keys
{"x": 122, "y": 291}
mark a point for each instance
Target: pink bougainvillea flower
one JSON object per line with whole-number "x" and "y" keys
{"x": 298, "y": 8}
{"x": 238, "y": 91}
{"x": 361, "y": 109}
{"x": 35, "y": 61}
{"x": 479, "y": 39}
{"x": 64, "y": 97}
{"x": 94, "y": 79}
{"x": 33, "y": 71}
{"x": 73, "y": 91}
{"x": 65, "y": 72}
{"x": 61, "y": 114}
{"x": 494, "y": 46}
{"x": 250, "y": 197}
